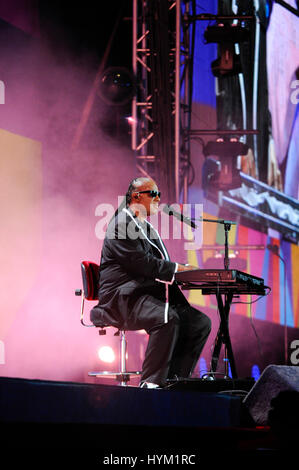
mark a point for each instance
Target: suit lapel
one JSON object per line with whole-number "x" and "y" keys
{"x": 158, "y": 241}
{"x": 160, "y": 247}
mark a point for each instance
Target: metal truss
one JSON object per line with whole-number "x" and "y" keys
{"x": 168, "y": 163}
{"x": 144, "y": 115}
{"x": 156, "y": 148}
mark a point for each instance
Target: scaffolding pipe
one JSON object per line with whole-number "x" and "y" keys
{"x": 177, "y": 97}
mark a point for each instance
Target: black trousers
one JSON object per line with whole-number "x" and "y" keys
{"x": 173, "y": 348}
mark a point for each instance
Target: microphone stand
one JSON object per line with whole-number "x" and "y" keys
{"x": 224, "y": 307}
{"x": 227, "y": 226}
{"x": 226, "y": 223}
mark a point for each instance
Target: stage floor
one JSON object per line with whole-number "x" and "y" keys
{"x": 96, "y": 422}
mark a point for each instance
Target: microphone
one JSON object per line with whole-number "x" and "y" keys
{"x": 178, "y": 215}
{"x": 273, "y": 248}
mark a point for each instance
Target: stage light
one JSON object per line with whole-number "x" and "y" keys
{"x": 117, "y": 86}
{"x": 225, "y": 148}
{"x": 131, "y": 120}
{"x": 255, "y": 372}
{"x": 226, "y": 35}
{"x": 106, "y": 354}
{"x": 228, "y": 64}
{"x": 220, "y": 169}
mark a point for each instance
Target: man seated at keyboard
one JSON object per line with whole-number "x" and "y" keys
{"x": 137, "y": 286}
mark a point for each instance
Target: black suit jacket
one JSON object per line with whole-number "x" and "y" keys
{"x": 134, "y": 262}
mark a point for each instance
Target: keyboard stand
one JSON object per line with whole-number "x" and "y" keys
{"x": 223, "y": 331}
{"x": 223, "y": 337}
{"x": 224, "y": 294}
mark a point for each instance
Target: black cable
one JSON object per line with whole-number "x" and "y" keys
{"x": 252, "y": 324}
{"x": 288, "y": 7}
{"x": 233, "y": 391}
{"x": 256, "y": 335}
{"x": 253, "y": 301}
{"x": 186, "y": 146}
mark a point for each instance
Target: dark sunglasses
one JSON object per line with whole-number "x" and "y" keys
{"x": 151, "y": 193}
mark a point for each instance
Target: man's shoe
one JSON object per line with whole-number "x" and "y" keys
{"x": 149, "y": 385}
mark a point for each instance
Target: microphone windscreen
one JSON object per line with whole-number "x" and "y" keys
{"x": 167, "y": 209}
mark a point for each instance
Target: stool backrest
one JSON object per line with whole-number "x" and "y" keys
{"x": 90, "y": 278}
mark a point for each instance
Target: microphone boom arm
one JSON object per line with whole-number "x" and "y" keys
{"x": 226, "y": 223}
{"x": 227, "y": 226}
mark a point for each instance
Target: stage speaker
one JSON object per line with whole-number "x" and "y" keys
{"x": 278, "y": 386}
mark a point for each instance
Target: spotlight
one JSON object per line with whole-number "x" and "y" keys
{"x": 117, "y": 86}
{"x": 220, "y": 168}
{"x": 226, "y": 35}
{"x": 131, "y": 120}
{"x": 106, "y": 354}
{"x": 225, "y": 148}
{"x": 228, "y": 64}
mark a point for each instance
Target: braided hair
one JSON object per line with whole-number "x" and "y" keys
{"x": 131, "y": 189}
{"x": 128, "y": 196}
